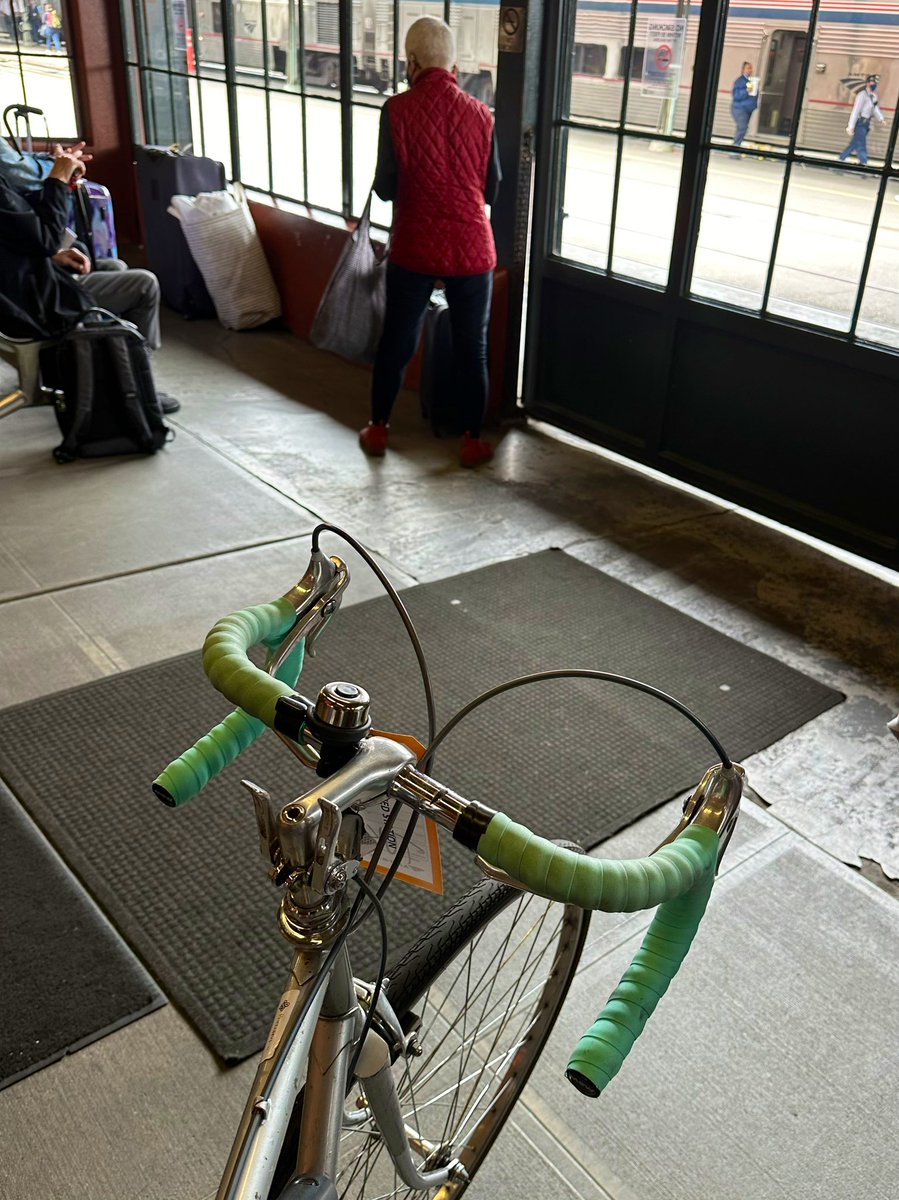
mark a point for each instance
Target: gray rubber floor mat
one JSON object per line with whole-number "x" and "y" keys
{"x": 574, "y": 759}
{"x": 68, "y": 978}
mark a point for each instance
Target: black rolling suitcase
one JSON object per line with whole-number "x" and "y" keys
{"x": 437, "y": 390}
{"x": 161, "y": 174}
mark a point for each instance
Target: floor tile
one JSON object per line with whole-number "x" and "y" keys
{"x": 145, "y": 1114}
{"x": 757, "y": 1076}
{"x": 117, "y": 515}
{"x": 44, "y": 650}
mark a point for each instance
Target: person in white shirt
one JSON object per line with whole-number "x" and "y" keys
{"x": 865, "y": 110}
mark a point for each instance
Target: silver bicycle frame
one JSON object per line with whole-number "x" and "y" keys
{"x": 279, "y": 1077}
{"x": 316, "y": 1052}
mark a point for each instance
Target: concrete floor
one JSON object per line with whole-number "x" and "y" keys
{"x": 770, "y": 1068}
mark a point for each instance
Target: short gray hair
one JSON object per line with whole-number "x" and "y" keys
{"x": 432, "y": 42}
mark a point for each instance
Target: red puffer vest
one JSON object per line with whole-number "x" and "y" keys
{"x": 442, "y": 139}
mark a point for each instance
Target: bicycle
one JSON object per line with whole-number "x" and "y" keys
{"x": 400, "y": 1085}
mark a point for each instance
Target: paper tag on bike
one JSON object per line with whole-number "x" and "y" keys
{"x": 421, "y": 865}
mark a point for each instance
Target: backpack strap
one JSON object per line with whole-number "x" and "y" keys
{"x": 83, "y": 355}
{"x": 117, "y": 344}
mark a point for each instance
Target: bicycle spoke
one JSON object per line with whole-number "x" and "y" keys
{"x": 483, "y": 1019}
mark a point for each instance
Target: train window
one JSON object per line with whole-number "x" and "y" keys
{"x": 216, "y": 16}
{"x": 589, "y": 59}
{"x": 34, "y": 70}
{"x": 593, "y": 50}
{"x": 630, "y": 61}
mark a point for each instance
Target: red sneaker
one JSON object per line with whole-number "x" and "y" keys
{"x": 474, "y": 452}
{"x": 373, "y": 439}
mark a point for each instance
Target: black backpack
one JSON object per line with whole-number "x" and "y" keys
{"x": 106, "y": 399}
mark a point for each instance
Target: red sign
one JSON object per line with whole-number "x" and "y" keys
{"x": 663, "y": 58}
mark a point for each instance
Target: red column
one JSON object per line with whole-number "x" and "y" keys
{"x": 94, "y": 41}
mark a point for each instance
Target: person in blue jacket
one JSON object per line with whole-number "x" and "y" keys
{"x": 24, "y": 171}
{"x": 742, "y": 104}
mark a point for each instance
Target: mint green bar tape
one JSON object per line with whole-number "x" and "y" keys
{"x": 598, "y": 1056}
{"x": 678, "y": 877}
{"x": 266, "y": 623}
{"x": 231, "y": 672}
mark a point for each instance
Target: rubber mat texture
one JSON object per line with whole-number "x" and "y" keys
{"x": 574, "y": 759}
{"x": 68, "y": 978}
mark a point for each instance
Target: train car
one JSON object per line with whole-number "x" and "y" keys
{"x": 294, "y": 43}
{"x": 850, "y": 41}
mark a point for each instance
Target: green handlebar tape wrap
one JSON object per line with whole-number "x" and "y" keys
{"x": 599, "y": 1054}
{"x": 189, "y": 774}
{"x": 678, "y": 877}
{"x": 230, "y": 671}
{"x": 613, "y": 886}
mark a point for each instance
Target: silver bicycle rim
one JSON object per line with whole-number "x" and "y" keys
{"x": 484, "y": 1021}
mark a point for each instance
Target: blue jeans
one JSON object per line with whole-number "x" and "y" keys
{"x": 408, "y": 293}
{"x": 859, "y": 144}
{"x": 741, "y": 120}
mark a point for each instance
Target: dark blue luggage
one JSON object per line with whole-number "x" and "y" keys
{"x": 161, "y": 174}
{"x": 437, "y": 390}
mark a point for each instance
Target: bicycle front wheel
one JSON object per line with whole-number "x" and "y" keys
{"x": 482, "y": 989}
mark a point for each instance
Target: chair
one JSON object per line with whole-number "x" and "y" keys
{"x": 24, "y": 355}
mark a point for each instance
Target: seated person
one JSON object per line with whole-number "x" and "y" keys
{"x": 24, "y": 171}
{"x": 45, "y": 290}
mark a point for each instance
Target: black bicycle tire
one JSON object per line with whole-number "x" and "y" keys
{"x": 433, "y": 953}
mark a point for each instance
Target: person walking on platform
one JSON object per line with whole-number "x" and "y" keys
{"x": 52, "y": 28}
{"x": 437, "y": 161}
{"x": 743, "y": 103}
{"x": 35, "y": 20}
{"x": 865, "y": 110}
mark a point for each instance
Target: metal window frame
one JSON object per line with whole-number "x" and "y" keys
{"x": 561, "y": 123}
{"x": 20, "y": 53}
{"x": 143, "y": 106}
{"x": 698, "y": 147}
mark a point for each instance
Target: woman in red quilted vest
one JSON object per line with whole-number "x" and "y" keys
{"x": 437, "y": 162}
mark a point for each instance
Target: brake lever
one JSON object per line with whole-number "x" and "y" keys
{"x": 715, "y": 804}
{"x": 315, "y": 598}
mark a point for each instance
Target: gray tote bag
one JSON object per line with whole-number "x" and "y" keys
{"x": 350, "y": 316}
